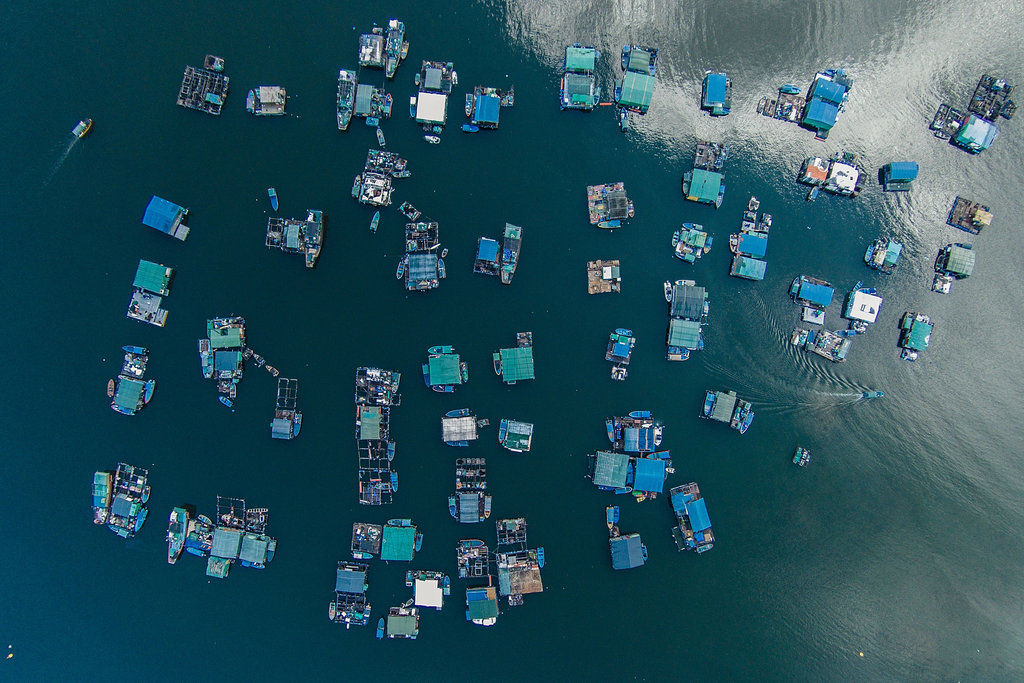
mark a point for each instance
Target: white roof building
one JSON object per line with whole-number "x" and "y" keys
{"x": 432, "y": 107}
{"x": 428, "y": 593}
{"x": 864, "y": 307}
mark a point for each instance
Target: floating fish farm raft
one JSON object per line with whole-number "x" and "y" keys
{"x": 690, "y": 242}
{"x": 811, "y": 292}
{"x": 841, "y": 175}
{"x": 954, "y": 262}
{"x": 373, "y": 185}
{"x": 459, "y": 427}
{"x": 376, "y": 393}
{"x": 604, "y": 277}
{"x": 515, "y": 364}
{"x": 294, "y": 236}
{"x": 725, "y": 406}
{"x": 484, "y": 104}
{"x": 371, "y": 49}
{"x": 152, "y": 282}
{"x": 167, "y": 217}
{"x": 287, "y": 419}
{"x": 119, "y": 499}
{"x": 350, "y": 606}
{"x": 976, "y": 130}
{"x": 882, "y": 254}
{"x": 473, "y": 559}
{"x": 395, "y": 47}
{"x": 622, "y": 473}
{"x": 627, "y": 550}
{"x": 693, "y": 527}
{"x": 819, "y": 109}
{"x": 620, "y": 349}
{"x": 578, "y": 89}
{"x": 470, "y": 503}
{"x": 444, "y": 369}
{"x": 372, "y": 102}
{"x": 787, "y": 105}
{"x": 688, "y": 312}
{"x": 515, "y": 436}
{"x": 347, "y": 83}
{"x": 608, "y": 205}
{"x": 221, "y": 353}
{"x": 518, "y": 568}
{"x": 429, "y": 588}
{"x": 829, "y": 345}
{"x": 750, "y": 244}
{"x": 706, "y": 182}
{"x": 716, "y": 94}
{"x": 401, "y": 540}
{"x": 366, "y": 540}
{"x": 128, "y": 392}
{"x": 403, "y": 622}
{"x": 266, "y": 100}
{"x": 435, "y": 81}
{"x": 204, "y": 89}
{"x": 236, "y": 534}
{"x": 969, "y": 216}
{"x": 420, "y": 266}
{"x": 637, "y": 432}
{"x": 635, "y": 90}
{"x": 915, "y": 334}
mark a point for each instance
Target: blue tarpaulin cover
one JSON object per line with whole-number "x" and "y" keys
{"x": 488, "y": 250}
{"x": 487, "y": 108}
{"x": 753, "y": 245}
{"x": 650, "y": 475}
{"x": 819, "y": 295}
{"x": 715, "y": 90}
{"x": 161, "y": 214}
{"x": 349, "y": 581}
{"x": 829, "y": 91}
{"x": 627, "y": 551}
{"x": 636, "y": 439}
{"x": 820, "y": 115}
{"x": 698, "y": 514}
{"x": 901, "y": 171}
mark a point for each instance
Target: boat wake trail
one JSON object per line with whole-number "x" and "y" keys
{"x": 61, "y": 159}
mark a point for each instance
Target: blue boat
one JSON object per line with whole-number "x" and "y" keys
{"x": 470, "y": 128}
{"x": 374, "y": 222}
{"x": 394, "y": 482}
{"x": 610, "y": 225}
{"x": 418, "y": 543}
{"x": 226, "y": 401}
{"x": 148, "y": 391}
{"x": 873, "y": 394}
{"x": 442, "y": 271}
{"x": 624, "y": 332}
{"x": 609, "y": 426}
{"x": 789, "y": 90}
{"x": 453, "y": 509}
{"x": 611, "y": 514}
{"x": 400, "y": 271}
{"x": 138, "y": 350}
{"x": 380, "y": 628}
{"x": 372, "y": 121}
{"x": 640, "y": 414}
{"x": 391, "y": 456}
{"x": 272, "y": 193}
{"x": 540, "y": 557}
{"x": 709, "y": 403}
{"x": 744, "y": 424}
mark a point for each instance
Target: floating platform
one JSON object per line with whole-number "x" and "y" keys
{"x": 643, "y": 476}
{"x": 608, "y": 205}
{"x": 119, "y": 499}
{"x": 266, "y": 100}
{"x": 898, "y": 176}
{"x": 516, "y": 363}
{"x": 376, "y": 393}
{"x": 802, "y": 457}
{"x": 459, "y": 427}
{"x": 627, "y": 551}
{"x": 706, "y": 182}
{"x": 882, "y": 254}
{"x": 693, "y": 526}
{"x": 473, "y": 559}
{"x": 401, "y": 540}
{"x": 690, "y": 242}
{"x": 152, "y": 282}
{"x": 444, "y": 369}
{"x": 604, "y": 277}
{"x": 167, "y": 217}
{"x": 372, "y": 103}
{"x": 204, "y": 88}
{"x": 518, "y": 574}
{"x": 636, "y": 88}
{"x": 366, "y": 540}
{"x": 371, "y": 49}
{"x": 716, "y": 94}
{"x": 578, "y": 88}
{"x": 619, "y": 351}
{"x": 829, "y": 345}
{"x": 787, "y": 105}
{"x": 515, "y": 436}
{"x": 688, "y": 308}
{"x": 287, "y": 419}
{"x": 403, "y": 622}
{"x": 915, "y": 334}
{"x": 429, "y": 588}
{"x": 726, "y": 406}
{"x": 840, "y": 175}
{"x": 350, "y": 605}
{"x": 294, "y": 236}
{"x": 470, "y": 503}
{"x": 991, "y": 99}
{"x": 947, "y": 121}
{"x": 129, "y": 392}
{"x": 237, "y": 534}
{"x": 969, "y": 216}
{"x": 637, "y": 432}
{"x": 422, "y": 265}
{"x": 222, "y": 353}
{"x": 435, "y": 82}
{"x": 377, "y": 387}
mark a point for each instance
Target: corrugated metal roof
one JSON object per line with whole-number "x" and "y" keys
{"x": 698, "y": 514}
{"x": 704, "y": 186}
{"x": 580, "y": 58}
{"x": 517, "y": 363}
{"x": 636, "y": 90}
{"x": 610, "y": 469}
{"x": 444, "y": 369}
{"x": 487, "y": 109}
{"x": 687, "y": 301}
{"x": 161, "y": 214}
{"x": 398, "y": 543}
{"x": 684, "y": 333}
{"x": 650, "y": 475}
{"x": 960, "y": 261}
{"x": 627, "y": 551}
{"x": 750, "y": 268}
{"x": 153, "y": 277}
{"x": 350, "y": 581}
{"x": 714, "y": 90}
{"x": 820, "y": 115}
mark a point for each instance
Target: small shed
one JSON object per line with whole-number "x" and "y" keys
{"x": 627, "y": 551}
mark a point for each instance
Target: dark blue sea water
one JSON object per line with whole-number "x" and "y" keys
{"x": 896, "y": 554}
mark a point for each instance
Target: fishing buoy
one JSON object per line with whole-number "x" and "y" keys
{"x": 861, "y": 654}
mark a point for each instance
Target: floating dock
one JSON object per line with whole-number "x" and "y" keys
{"x": 236, "y": 534}
{"x": 152, "y": 282}
{"x": 515, "y": 436}
{"x": 429, "y": 588}
{"x": 716, "y": 94}
{"x": 628, "y": 551}
{"x": 819, "y": 109}
{"x": 266, "y": 100}
{"x": 287, "y": 420}
{"x": 372, "y": 103}
{"x": 204, "y": 89}
{"x": 829, "y": 345}
{"x": 167, "y": 217}
{"x": 604, "y": 277}
{"x": 991, "y": 99}
{"x": 366, "y": 540}
{"x": 619, "y": 352}
{"x": 811, "y": 291}
{"x": 863, "y": 305}
{"x": 470, "y": 503}
{"x": 969, "y": 216}
{"x": 472, "y": 557}
{"x": 374, "y": 185}
{"x": 726, "y": 406}
{"x": 294, "y": 236}
{"x": 915, "y": 334}
{"x": 515, "y": 364}
{"x": 787, "y": 105}
{"x": 954, "y": 262}
{"x": 882, "y": 254}
{"x": 608, "y": 205}
{"x": 350, "y": 605}
{"x": 128, "y": 392}
{"x": 688, "y": 313}
{"x": 976, "y": 130}
{"x": 119, "y": 499}
{"x": 802, "y": 457}
{"x": 371, "y": 49}
{"x": 376, "y": 393}
{"x": 840, "y": 175}
{"x": 221, "y": 353}
{"x": 898, "y": 176}
{"x": 578, "y": 88}
{"x": 706, "y": 182}
{"x": 484, "y": 105}
{"x": 693, "y": 527}
{"x": 947, "y": 121}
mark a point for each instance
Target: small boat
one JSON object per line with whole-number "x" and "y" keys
{"x": 442, "y": 272}
{"x": 412, "y": 106}
{"x": 709, "y": 402}
{"x": 391, "y": 454}
{"x": 394, "y": 482}
{"x": 873, "y": 394}
{"x": 401, "y": 268}
{"x": 372, "y": 121}
{"x": 444, "y": 252}
{"x": 753, "y": 204}
{"x": 375, "y": 221}
{"x": 812, "y": 195}
{"x": 611, "y": 514}
{"x": 623, "y": 120}
{"x": 83, "y": 128}
{"x": 668, "y": 290}
{"x": 147, "y": 392}
{"x": 418, "y": 542}
{"x": 137, "y": 350}
{"x": 332, "y": 611}
{"x": 380, "y": 628}
{"x": 470, "y": 128}
{"x": 469, "y": 104}
{"x": 432, "y": 139}
{"x": 380, "y": 138}
{"x": 610, "y": 225}
{"x": 440, "y": 349}
{"x": 540, "y": 557}
{"x": 226, "y": 401}
{"x": 436, "y": 129}
{"x": 789, "y": 90}
{"x": 110, "y": 388}
{"x": 272, "y": 193}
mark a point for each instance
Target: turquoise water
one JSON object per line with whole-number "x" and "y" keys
{"x": 900, "y": 541}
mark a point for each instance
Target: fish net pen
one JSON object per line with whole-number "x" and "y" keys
{"x": 231, "y": 512}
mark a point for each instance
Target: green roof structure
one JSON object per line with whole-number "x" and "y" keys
{"x": 580, "y": 59}
{"x": 226, "y": 338}
{"x": 444, "y": 369}
{"x": 153, "y": 277}
{"x": 636, "y": 90}
{"x": 398, "y": 543}
{"x": 610, "y": 469}
{"x": 369, "y": 422}
{"x": 725, "y": 405}
{"x": 129, "y": 393}
{"x": 516, "y": 364}
{"x": 482, "y": 609}
{"x": 704, "y": 186}
{"x": 684, "y": 333}
{"x": 401, "y": 625}
{"x": 960, "y": 261}
{"x": 918, "y": 336}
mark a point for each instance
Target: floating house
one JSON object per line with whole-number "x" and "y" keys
{"x": 492, "y": 259}
{"x": 484, "y": 104}
{"x": 366, "y": 540}
{"x": 832, "y": 346}
{"x": 604, "y": 277}
{"x": 237, "y": 536}
{"x": 863, "y": 305}
{"x": 915, "y": 334}
{"x": 628, "y": 551}
{"x": 459, "y": 427}
{"x": 287, "y": 419}
{"x": 954, "y": 262}
{"x": 882, "y": 254}
{"x": 204, "y": 89}
{"x": 119, "y": 499}
{"x": 976, "y": 130}
{"x": 221, "y": 354}
{"x": 969, "y": 216}
{"x": 898, "y": 176}
{"x": 350, "y": 606}
{"x": 726, "y": 406}
{"x": 826, "y": 98}
{"x": 371, "y": 49}
{"x": 975, "y": 134}
{"x": 706, "y": 182}
{"x": 482, "y": 605}
{"x": 444, "y": 369}
{"x": 633, "y": 93}
{"x": 152, "y": 282}
{"x": 623, "y": 473}
{"x": 372, "y": 102}
{"x": 688, "y": 311}
{"x": 690, "y": 242}
{"x": 812, "y": 292}
{"x": 716, "y": 94}
{"x": 518, "y": 574}
{"x": 429, "y": 588}
{"x": 400, "y": 541}
{"x": 693, "y": 526}
{"x": 638, "y": 432}
{"x": 578, "y": 88}
{"x": 473, "y": 559}
{"x": 435, "y": 82}
{"x": 608, "y": 205}
{"x": 620, "y": 349}
{"x": 514, "y": 435}
{"x": 470, "y": 503}
{"x": 516, "y": 363}
{"x": 403, "y": 622}
{"x": 748, "y": 268}
{"x": 294, "y": 236}
{"x": 421, "y": 265}
{"x": 128, "y": 392}
{"x": 167, "y": 217}
{"x": 841, "y": 175}
{"x": 266, "y": 100}
{"x": 487, "y": 261}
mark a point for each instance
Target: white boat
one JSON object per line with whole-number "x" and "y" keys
{"x": 668, "y": 290}
{"x": 432, "y": 139}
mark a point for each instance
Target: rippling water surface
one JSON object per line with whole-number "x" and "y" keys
{"x": 897, "y": 553}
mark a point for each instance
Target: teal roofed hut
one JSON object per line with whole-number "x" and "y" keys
{"x": 701, "y": 185}
{"x": 748, "y": 268}
{"x": 898, "y": 176}
{"x": 976, "y": 134}
{"x": 516, "y": 364}
{"x": 167, "y": 217}
{"x": 717, "y": 96}
{"x": 153, "y": 277}
{"x": 634, "y": 92}
{"x": 398, "y": 543}
{"x": 683, "y": 334}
